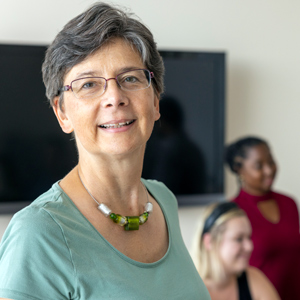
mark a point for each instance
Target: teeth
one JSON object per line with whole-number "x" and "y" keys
{"x": 118, "y": 125}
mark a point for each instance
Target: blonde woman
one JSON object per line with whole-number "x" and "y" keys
{"x": 221, "y": 252}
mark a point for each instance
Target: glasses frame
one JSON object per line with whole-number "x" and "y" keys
{"x": 68, "y": 87}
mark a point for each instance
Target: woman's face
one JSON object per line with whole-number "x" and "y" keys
{"x": 236, "y": 245}
{"x": 258, "y": 170}
{"x": 115, "y": 106}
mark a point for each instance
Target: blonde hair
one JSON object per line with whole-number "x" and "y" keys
{"x": 208, "y": 262}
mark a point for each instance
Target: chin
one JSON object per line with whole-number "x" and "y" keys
{"x": 267, "y": 189}
{"x": 242, "y": 265}
{"x": 268, "y": 185}
{"x": 263, "y": 189}
{"x": 237, "y": 267}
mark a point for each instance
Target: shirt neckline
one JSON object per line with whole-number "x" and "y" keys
{"x": 255, "y": 198}
{"x": 119, "y": 253}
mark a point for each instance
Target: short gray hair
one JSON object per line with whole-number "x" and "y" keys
{"x": 88, "y": 32}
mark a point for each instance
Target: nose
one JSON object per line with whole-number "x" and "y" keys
{"x": 113, "y": 95}
{"x": 270, "y": 170}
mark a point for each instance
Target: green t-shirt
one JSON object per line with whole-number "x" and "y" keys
{"x": 50, "y": 251}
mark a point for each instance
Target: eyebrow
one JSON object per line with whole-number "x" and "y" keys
{"x": 85, "y": 74}
{"x": 130, "y": 69}
{"x": 92, "y": 73}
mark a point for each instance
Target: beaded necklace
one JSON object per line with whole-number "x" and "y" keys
{"x": 129, "y": 222}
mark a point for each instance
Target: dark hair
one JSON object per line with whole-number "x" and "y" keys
{"x": 218, "y": 211}
{"x": 239, "y": 149}
{"x": 88, "y": 32}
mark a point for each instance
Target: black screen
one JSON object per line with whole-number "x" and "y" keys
{"x": 185, "y": 150}
{"x": 34, "y": 152}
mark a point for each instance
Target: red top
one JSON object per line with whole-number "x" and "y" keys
{"x": 276, "y": 246}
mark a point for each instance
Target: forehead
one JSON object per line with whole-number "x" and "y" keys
{"x": 112, "y": 58}
{"x": 258, "y": 152}
{"x": 117, "y": 48}
{"x": 237, "y": 225}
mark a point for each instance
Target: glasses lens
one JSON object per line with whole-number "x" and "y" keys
{"x": 134, "y": 80}
{"x": 88, "y": 87}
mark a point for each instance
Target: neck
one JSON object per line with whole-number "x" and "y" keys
{"x": 226, "y": 282}
{"x": 115, "y": 183}
{"x": 255, "y": 192}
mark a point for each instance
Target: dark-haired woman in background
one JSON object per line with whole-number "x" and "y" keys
{"x": 274, "y": 217}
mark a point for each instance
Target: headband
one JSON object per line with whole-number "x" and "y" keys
{"x": 216, "y": 213}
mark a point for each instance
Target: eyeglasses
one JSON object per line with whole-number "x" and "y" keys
{"x": 92, "y": 87}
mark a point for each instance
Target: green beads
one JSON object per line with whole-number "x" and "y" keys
{"x": 143, "y": 218}
{"x": 129, "y": 223}
{"x": 133, "y": 223}
{"x": 113, "y": 216}
{"x": 121, "y": 220}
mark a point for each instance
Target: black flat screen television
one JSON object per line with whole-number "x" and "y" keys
{"x": 185, "y": 150}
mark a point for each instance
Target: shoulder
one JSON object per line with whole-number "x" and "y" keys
{"x": 283, "y": 197}
{"x": 36, "y": 220}
{"x": 54, "y": 194}
{"x": 166, "y": 200}
{"x": 242, "y": 204}
{"x": 160, "y": 192}
{"x": 238, "y": 199}
{"x": 30, "y": 227}
{"x": 288, "y": 204}
{"x": 35, "y": 240}
{"x": 154, "y": 184}
{"x": 260, "y": 286}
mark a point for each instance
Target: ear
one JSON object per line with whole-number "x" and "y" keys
{"x": 238, "y": 163}
{"x": 156, "y": 106}
{"x": 62, "y": 117}
{"x": 207, "y": 241}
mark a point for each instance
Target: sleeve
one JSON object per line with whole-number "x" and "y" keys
{"x": 35, "y": 262}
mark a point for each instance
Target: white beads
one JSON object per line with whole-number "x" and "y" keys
{"x": 149, "y": 207}
{"x": 104, "y": 209}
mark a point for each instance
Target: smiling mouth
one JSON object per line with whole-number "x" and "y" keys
{"x": 117, "y": 125}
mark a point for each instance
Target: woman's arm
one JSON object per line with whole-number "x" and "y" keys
{"x": 260, "y": 286}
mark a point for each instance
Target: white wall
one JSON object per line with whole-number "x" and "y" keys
{"x": 4, "y": 220}
{"x": 262, "y": 42}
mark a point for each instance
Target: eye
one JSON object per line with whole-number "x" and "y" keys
{"x": 89, "y": 85}
{"x": 239, "y": 239}
{"x": 258, "y": 166}
{"x": 130, "y": 79}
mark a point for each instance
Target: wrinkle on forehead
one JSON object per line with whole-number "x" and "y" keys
{"x": 109, "y": 62}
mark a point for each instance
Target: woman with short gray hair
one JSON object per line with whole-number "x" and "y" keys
{"x": 102, "y": 232}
